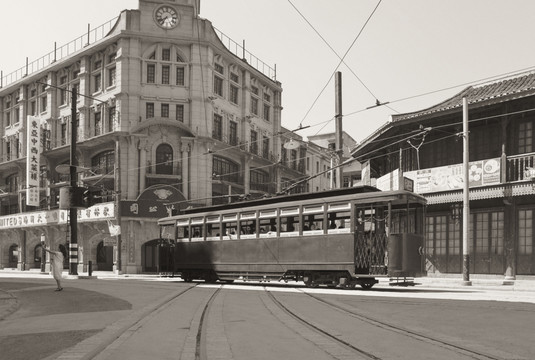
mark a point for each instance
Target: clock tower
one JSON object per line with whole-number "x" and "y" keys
{"x": 168, "y": 15}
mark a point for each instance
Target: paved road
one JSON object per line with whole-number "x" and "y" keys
{"x": 125, "y": 318}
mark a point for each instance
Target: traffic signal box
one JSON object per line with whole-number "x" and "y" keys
{"x": 74, "y": 197}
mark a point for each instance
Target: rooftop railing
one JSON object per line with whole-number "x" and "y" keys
{"x": 90, "y": 37}
{"x": 242, "y": 53}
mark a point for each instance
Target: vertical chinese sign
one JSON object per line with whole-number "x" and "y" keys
{"x": 33, "y": 152}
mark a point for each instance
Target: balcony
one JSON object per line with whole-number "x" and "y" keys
{"x": 518, "y": 167}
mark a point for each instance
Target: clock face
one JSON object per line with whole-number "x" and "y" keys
{"x": 166, "y": 17}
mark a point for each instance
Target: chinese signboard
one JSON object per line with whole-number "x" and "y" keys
{"x": 444, "y": 178}
{"x": 97, "y": 212}
{"x": 32, "y": 160}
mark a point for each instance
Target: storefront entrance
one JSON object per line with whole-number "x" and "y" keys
{"x": 104, "y": 257}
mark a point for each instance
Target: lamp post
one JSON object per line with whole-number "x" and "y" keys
{"x": 466, "y": 197}
{"x": 73, "y": 211}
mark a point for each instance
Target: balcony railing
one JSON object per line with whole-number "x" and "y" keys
{"x": 517, "y": 166}
{"x": 245, "y": 55}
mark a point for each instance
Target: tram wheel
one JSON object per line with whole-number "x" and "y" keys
{"x": 366, "y": 286}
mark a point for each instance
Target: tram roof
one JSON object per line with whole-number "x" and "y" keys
{"x": 375, "y": 196}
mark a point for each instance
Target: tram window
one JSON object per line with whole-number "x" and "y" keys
{"x": 289, "y": 224}
{"x": 197, "y": 232}
{"x": 339, "y": 222}
{"x": 183, "y": 233}
{"x": 213, "y": 231}
{"x": 268, "y": 227}
{"x": 247, "y": 229}
{"x": 289, "y": 221}
{"x": 313, "y": 224}
{"x": 230, "y": 230}
{"x": 168, "y": 232}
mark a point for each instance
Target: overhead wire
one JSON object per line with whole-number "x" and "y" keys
{"x": 341, "y": 61}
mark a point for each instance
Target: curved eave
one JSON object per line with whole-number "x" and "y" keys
{"x": 185, "y": 130}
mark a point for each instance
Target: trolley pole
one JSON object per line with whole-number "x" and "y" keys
{"x": 338, "y": 131}
{"x": 466, "y": 198}
{"x": 73, "y": 211}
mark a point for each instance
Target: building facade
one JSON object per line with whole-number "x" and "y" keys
{"x": 166, "y": 117}
{"x": 427, "y": 146}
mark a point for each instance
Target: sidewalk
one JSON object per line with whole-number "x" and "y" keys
{"x": 521, "y": 283}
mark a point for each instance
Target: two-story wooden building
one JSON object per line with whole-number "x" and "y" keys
{"x": 428, "y": 147}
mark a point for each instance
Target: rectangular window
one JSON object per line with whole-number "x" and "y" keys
{"x": 165, "y": 74}
{"x": 266, "y": 112}
{"x": 33, "y": 108}
{"x": 267, "y": 97}
{"x": 234, "y": 77}
{"x": 234, "y": 93}
{"x": 218, "y": 130}
{"x": 165, "y": 110}
{"x": 151, "y": 73}
{"x": 265, "y": 147}
{"x": 166, "y": 54}
{"x": 180, "y": 76}
{"x": 180, "y": 113}
{"x": 525, "y": 137}
{"x": 233, "y": 133}
{"x": 98, "y": 82}
{"x": 525, "y": 232}
{"x": 44, "y": 103}
{"x": 112, "y": 76}
{"x": 112, "y": 120}
{"x": 219, "y": 68}
{"x": 254, "y": 105}
{"x": 254, "y": 142}
{"x": 218, "y": 86}
{"x": 98, "y": 123}
{"x": 149, "y": 113}
{"x": 63, "y": 96}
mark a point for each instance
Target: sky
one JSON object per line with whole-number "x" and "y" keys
{"x": 394, "y": 51}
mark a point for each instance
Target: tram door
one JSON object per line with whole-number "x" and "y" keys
{"x": 370, "y": 241}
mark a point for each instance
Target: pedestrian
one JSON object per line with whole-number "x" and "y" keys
{"x": 56, "y": 264}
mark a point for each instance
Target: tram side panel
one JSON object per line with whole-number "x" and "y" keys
{"x": 405, "y": 255}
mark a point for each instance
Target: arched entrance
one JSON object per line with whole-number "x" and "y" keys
{"x": 104, "y": 257}
{"x": 37, "y": 255}
{"x": 13, "y": 256}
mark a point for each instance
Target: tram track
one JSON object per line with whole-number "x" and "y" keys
{"x": 201, "y": 339}
{"x": 458, "y": 349}
{"x": 341, "y": 349}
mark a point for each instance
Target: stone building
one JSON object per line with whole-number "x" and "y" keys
{"x": 166, "y": 117}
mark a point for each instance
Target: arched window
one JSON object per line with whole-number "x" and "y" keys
{"x": 225, "y": 169}
{"x": 164, "y": 159}
{"x": 103, "y": 163}
{"x": 13, "y": 255}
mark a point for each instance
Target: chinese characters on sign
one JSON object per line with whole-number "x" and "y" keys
{"x": 33, "y": 152}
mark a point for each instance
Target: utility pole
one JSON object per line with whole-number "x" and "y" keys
{"x": 466, "y": 197}
{"x": 73, "y": 211}
{"x": 338, "y": 131}
{"x": 117, "y": 173}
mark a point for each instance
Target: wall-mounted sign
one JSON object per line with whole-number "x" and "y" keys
{"x": 33, "y": 153}
{"x": 445, "y": 178}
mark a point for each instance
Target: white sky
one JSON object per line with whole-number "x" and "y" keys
{"x": 408, "y": 47}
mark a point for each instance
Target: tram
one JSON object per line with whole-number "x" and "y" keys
{"x": 344, "y": 237}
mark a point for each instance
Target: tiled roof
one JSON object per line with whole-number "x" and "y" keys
{"x": 477, "y": 94}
